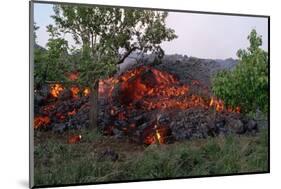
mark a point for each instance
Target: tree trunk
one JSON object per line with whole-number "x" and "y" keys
{"x": 94, "y": 105}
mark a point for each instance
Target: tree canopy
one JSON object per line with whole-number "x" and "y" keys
{"x": 105, "y": 37}
{"x": 52, "y": 62}
{"x": 247, "y": 85}
{"x": 108, "y": 35}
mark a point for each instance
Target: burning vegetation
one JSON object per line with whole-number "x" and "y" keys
{"x": 139, "y": 104}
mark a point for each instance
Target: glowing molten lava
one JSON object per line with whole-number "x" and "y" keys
{"x": 219, "y": 106}
{"x": 74, "y": 139}
{"x": 145, "y": 82}
{"x": 137, "y": 91}
{"x": 86, "y": 92}
{"x": 56, "y": 89}
{"x": 158, "y": 136}
{"x": 156, "y": 89}
{"x": 71, "y": 113}
{"x": 40, "y": 121}
{"x": 75, "y": 91}
{"x": 106, "y": 86}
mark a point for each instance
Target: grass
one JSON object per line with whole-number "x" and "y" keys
{"x": 57, "y": 162}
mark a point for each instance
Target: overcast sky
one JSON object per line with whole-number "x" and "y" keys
{"x": 199, "y": 35}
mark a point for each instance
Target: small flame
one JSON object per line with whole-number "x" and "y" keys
{"x": 211, "y": 102}
{"x": 155, "y": 137}
{"x": 158, "y": 136}
{"x": 219, "y": 106}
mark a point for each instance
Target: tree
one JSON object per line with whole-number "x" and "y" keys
{"x": 57, "y": 56}
{"x": 247, "y": 85}
{"x": 39, "y": 59}
{"x": 51, "y": 63}
{"x": 108, "y": 36}
{"x": 35, "y": 28}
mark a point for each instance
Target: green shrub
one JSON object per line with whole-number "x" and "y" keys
{"x": 247, "y": 84}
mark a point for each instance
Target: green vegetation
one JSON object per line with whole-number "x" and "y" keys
{"x": 247, "y": 85}
{"x": 51, "y": 63}
{"x": 80, "y": 163}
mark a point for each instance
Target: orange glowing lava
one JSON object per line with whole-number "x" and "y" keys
{"x": 156, "y": 136}
{"x": 219, "y": 106}
{"x": 56, "y": 89}
{"x": 74, "y": 139}
{"x": 41, "y": 121}
{"x": 157, "y": 89}
{"x": 106, "y": 86}
{"x": 86, "y": 91}
{"x": 144, "y": 88}
{"x": 71, "y": 113}
{"x": 75, "y": 91}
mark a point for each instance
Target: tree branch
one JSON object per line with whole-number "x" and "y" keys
{"x": 127, "y": 54}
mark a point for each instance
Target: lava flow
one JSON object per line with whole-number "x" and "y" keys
{"x": 143, "y": 89}
{"x": 155, "y": 89}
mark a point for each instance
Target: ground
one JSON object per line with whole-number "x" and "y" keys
{"x": 99, "y": 158}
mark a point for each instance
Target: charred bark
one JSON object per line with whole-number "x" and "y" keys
{"x": 94, "y": 105}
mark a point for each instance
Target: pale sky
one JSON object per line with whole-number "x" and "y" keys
{"x": 199, "y": 35}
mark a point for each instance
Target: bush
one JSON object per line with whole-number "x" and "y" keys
{"x": 52, "y": 63}
{"x": 60, "y": 163}
{"x": 247, "y": 85}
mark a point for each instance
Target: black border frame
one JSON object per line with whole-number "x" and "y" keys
{"x": 31, "y": 94}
